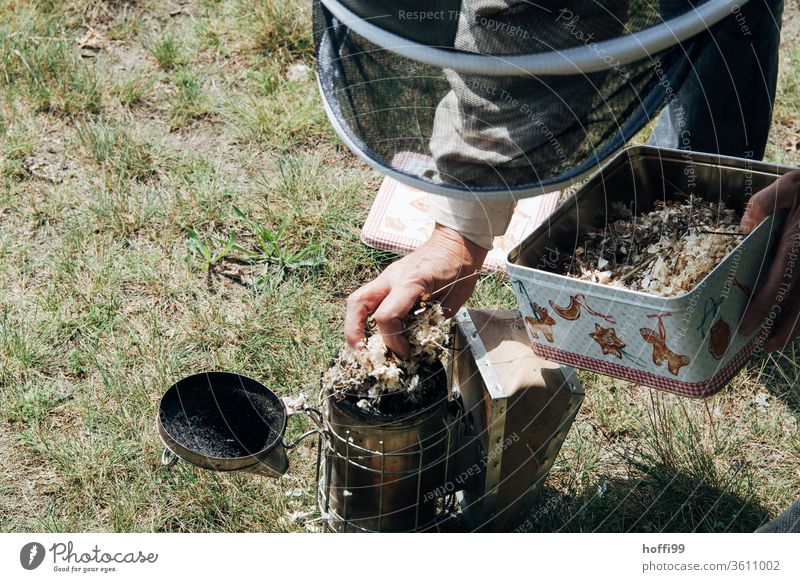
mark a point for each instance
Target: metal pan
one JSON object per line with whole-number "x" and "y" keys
{"x": 224, "y": 422}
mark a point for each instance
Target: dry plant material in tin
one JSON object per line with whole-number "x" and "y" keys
{"x": 377, "y": 381}
{"x": 665, "y": 252}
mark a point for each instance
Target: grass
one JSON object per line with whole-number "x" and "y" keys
{"x": 131, "y": 90}
{"x": 190, "y": 101}
{"x": 287, "y": 118}
{"x": 167, "y": 50}
{"x": 278, "y": 27}
{"x": 114, "y": 148}
{"x": 43, "y": 63}
{"x": 195, "y": 211}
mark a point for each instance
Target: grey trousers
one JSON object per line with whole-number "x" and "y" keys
{"x": 725, "y": 104}
{"x": 786, "y": 522}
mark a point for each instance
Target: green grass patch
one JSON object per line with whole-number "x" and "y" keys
{"x": 190, "y": 100}
{"x": 114, "y": 147}
{"x": 168, "y": 50}
{"x": 278, "y": 27}
{"x": 131, "y": 90}
{"x": 39, "y": 60}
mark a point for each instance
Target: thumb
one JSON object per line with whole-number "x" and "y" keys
{"x": 457, "y": 294}
{"x": 782, "y": 193}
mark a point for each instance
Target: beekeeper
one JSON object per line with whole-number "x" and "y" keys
{"x": 724, "y": 106}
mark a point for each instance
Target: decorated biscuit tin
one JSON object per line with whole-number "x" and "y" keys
{"x": 687, "y": 344}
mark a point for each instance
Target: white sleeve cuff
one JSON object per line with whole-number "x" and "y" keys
{"x": 478, "y": 221}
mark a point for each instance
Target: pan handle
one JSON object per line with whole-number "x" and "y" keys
{"x": 315, "y": 416}
{"x": 298, "y": 405}
{"x": 168, "y": 458}
{"x": 301, "y": 438}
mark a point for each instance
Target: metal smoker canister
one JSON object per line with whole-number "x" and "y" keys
{"x": 378, "y": 473}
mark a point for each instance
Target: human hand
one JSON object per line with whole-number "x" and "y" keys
{"x": 447, "y": 260}
{"x": 780, "y": 292}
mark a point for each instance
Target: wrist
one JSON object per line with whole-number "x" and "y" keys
{"x": 460, "y": 249}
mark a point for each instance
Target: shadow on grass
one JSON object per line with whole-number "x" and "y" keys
{"x": 661, "y": 500}
{"x": 780, "y": 376}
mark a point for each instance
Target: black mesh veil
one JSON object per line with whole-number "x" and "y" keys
{"x": 491, "y": 97}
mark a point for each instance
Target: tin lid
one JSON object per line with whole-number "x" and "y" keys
{"x": 224, "y": 422}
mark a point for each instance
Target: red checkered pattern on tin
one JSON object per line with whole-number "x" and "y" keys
{"x": 690, "y": 389}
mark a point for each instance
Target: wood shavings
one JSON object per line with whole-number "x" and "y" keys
{"x": 376, "y": 381}
{"x": 666, "y": 252}
{"x": 93, "y": 40}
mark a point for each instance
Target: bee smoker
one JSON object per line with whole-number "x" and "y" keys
{"x": 476, "y": 457}
{"x": 482, "y": 453}
{"x": 377, "y": 474}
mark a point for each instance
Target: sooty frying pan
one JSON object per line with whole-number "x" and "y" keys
{"x": 224, "y": 422}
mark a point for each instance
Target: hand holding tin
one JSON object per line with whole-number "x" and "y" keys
{"x": 780, "y": 292}
{"x": 446, "y": 261}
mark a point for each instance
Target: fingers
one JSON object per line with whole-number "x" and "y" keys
{"x": 361, "y": 303}
{"x": 390, "y": 315}
{"x": 782, "y": 193}
{"x": 779, "y": 282}
{"x": 789, "y": 323}
{"x": 441, "y": 260}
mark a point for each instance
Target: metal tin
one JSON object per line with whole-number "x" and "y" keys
{"x": 378, "y": 472}
{"x": 688, "y": 344}
{"x": 224, "y": 422}
{"x": 517, "y": 411}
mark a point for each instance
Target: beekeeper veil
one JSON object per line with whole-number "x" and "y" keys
{"x": 489, "y": 98}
